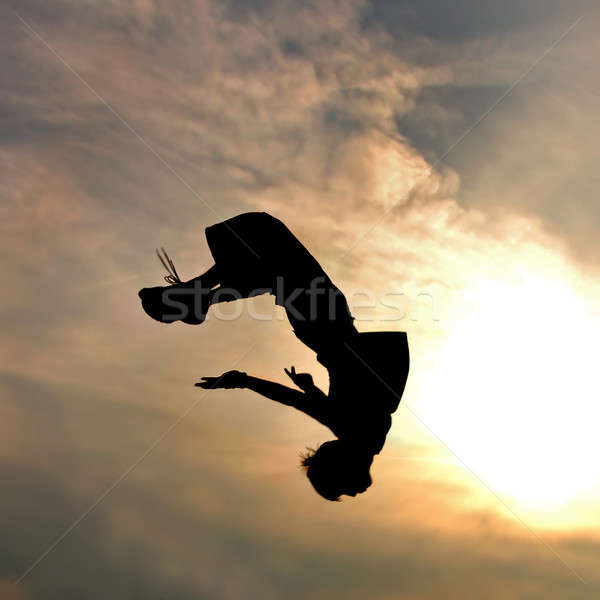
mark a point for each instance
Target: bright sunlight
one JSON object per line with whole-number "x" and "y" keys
{"x": 513, "y": 395}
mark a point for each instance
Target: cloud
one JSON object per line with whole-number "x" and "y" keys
{"x": 201, "y": 516}
{"x": 11, "y": 592}
{"x": 461, "y": 20}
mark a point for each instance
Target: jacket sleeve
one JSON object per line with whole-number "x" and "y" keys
{"x": 314, "y": 402}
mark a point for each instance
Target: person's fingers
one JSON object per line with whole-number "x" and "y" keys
{"x": 288, "y": 373}
{"x": 293, "y": 370}
{"x": 207, "y": 382}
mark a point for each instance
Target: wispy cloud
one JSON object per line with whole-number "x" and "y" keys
{"x": 325, "y": 115}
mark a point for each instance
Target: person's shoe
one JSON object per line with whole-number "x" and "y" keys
{"x": 153, "y": 305}
{"x": 178, "y": 302}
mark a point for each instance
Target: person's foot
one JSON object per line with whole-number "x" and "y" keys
{"x": 178, "y": 302}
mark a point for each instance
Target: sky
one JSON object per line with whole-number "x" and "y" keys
{"x": 439, "y": 160}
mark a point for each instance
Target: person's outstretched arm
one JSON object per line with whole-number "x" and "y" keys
{"x": 313, "y": 402}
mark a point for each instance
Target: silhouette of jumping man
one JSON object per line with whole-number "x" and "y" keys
{"x": 255, "y": 254}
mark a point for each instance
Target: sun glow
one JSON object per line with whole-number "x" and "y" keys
{"x": 514, "y": 394}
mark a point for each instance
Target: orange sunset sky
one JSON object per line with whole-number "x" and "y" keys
{"x": 439, "y": 159}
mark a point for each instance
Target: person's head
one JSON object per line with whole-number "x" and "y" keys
{"x": 337, "y": 468}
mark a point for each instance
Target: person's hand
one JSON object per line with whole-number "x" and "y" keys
{"x": 229, "y": 380}
{"x": 303, "y": 380}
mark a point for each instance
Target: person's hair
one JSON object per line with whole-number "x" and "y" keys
{"x": 307, "y": 457}
{"x": 330, "y": 472}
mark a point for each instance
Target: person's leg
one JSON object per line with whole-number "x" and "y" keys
{"x": 208, "y": 280}
{"x": 189, "y": 301}
{"x": 319, "y": 315}
{"x": 200, "y": 289}
{"x": 224, "y": 294}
